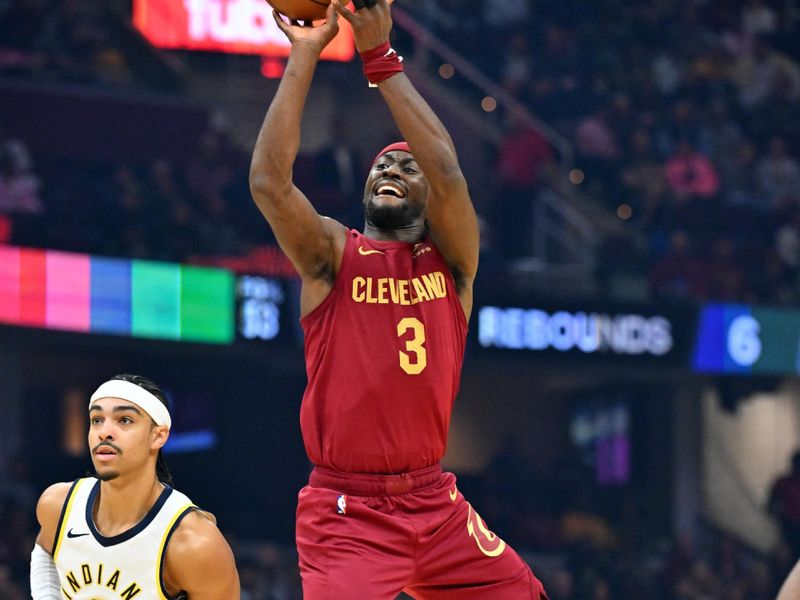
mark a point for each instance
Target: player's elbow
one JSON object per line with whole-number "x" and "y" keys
{"x": 268, "y": 174}
{"x": 268, "y": 190}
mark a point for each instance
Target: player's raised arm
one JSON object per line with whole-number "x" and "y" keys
{"x": 450, "y": 213}
{"x": 200, "y": 562}
{"x": 310, "y": 241}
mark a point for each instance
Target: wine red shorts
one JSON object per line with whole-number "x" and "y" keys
{"x": 369, "y": 537}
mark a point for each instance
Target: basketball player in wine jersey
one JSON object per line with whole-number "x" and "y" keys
{"x": 384, "y": 313}
{"x": 126, "y": 533}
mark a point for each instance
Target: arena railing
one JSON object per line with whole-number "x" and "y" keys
{"x": 564, "y": 236}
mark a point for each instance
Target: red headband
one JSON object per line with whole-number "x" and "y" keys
{"x": 396, "y": 146}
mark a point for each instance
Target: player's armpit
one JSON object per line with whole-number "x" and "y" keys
{"x": 200, "y": 562}
{"x": 48, "y": 512}
{"x": 312, "y": 243}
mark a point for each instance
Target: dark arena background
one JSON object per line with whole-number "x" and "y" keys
{"x": 630, "y": 394}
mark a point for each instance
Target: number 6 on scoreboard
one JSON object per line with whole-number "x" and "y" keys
{"x": 414, "y": 346}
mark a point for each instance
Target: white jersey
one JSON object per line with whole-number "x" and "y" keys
{"x": 129, "y": 565}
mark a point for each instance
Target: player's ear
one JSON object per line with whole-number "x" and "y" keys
{"x": 160, "y": 437}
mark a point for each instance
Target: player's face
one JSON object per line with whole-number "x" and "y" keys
{"x": 396, "y": 193}
{"x": 122, "y": 438}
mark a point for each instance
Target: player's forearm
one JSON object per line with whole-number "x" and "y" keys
{"x": 43, "y": 576}
{"x": 279, "y": 139}
{"x": 421, "y": 128}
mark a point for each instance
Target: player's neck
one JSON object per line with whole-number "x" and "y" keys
{"x": 411, "y": 233}
{"x": 124, "y": 501}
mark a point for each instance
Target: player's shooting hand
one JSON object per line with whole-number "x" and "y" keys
{"x": 316, "y": 37}
{"x": 371, "y": 22}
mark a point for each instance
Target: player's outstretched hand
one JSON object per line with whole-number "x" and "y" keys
{"x": 305, "y": 33}
{"x": 371, "y": 22}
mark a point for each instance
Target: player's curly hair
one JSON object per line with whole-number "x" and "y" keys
{"x": 162, "y": 472}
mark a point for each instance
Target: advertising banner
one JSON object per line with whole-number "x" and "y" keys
{"x": 230, "y": 26}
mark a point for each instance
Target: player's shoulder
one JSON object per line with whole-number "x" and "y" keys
{"x": 52, "y": 500}
{"x": 55, "y": 494}
{"x": 197, "y": 532}
{"x": 199, "y": 558}
{"x": 335, "y": 229}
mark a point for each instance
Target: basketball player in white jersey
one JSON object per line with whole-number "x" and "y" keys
{"x": 126, "y": 533}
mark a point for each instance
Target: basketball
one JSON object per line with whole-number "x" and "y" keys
{"x": 301, "y": 9}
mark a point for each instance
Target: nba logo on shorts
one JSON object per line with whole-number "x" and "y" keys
{"x": 341, "y": 504}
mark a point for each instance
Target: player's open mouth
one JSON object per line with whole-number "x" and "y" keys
{"x": 389, "y": 189}
{"x": 105, "y": 453}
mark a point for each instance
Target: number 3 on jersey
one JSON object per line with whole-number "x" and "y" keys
{"x": 414, "y": 360}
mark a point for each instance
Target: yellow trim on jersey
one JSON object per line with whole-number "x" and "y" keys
{"x": 67, "y": 511}
{"x": 162, "y": 547}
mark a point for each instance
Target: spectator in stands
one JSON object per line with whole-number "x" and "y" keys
{"x": 787, "y": 242}
{"x": 682, "y": 124}
{"x": 643, "y": 180}
{"x": 778, "y": 175}
{"x": 762, "y": 72}
{"x": 517, "y": 64}
{"x": 524, "y": 157}
{"x": 668, "y": 72}
{"x": 19, "y": 185}
{"x": 595, "y": 138}
{"x": 679, "y": 274}
{"x": 599, "y": 151}
{"x": 690, "y": 174}
{"x": 723, "y": 133}
{"x": 726, "y": 275}
{"x": 738, "y": 175}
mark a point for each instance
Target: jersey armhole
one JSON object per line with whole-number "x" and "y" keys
{"x": 62, "y": 519}
{"x": 348, "y": 246}
{"x": 176, "y": 520}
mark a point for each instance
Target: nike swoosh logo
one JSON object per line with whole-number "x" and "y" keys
{"x": 364, "y": 252}
{"x": 74, "y": 535}
{"x": 453, "y": 494}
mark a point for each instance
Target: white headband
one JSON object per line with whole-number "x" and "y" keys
{"x": 117, "y": 388}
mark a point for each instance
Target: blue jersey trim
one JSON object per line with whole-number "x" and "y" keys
{"x": 125, "y": 535}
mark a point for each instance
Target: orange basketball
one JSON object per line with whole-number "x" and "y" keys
{"x": 301, "y": 9}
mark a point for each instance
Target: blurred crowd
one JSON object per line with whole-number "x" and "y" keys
{"x": 77, "y": 42}
{"x": 685, "y": 120}
{"x": 70, "y": 41}
{"x": 684, "y": 115}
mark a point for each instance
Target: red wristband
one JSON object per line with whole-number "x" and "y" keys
{"x": 381, "y": 62}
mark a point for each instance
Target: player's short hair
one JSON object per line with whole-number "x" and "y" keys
{"x": 162, "y": 472}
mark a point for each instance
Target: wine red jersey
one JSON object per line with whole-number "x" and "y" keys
{"x": 383, "y": 357}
